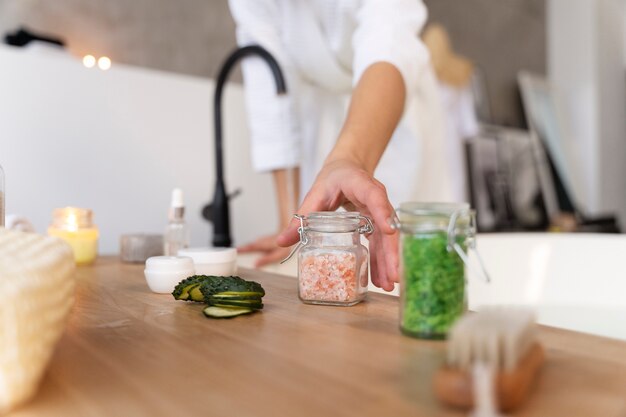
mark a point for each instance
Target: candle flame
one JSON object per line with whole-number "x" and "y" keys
{"x": 72, "y": 221}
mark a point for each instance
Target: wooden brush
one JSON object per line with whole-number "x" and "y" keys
{"x": 496, "y": 343}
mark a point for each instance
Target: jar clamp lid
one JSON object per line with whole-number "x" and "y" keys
{"x": 455, "y": 219}
{"x": 330, "y": 222}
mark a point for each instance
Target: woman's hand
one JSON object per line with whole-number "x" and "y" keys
{"x": 271, "y": 252}
{"x": 346, "y": 178}
{"x": 287, "y": 185}
{"x": 343, "y": 182}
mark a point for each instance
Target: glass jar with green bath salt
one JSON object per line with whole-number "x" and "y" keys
{"x": 434, "y": 239}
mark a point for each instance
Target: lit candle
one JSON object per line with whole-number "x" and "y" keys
{"x": 75, "y": 226}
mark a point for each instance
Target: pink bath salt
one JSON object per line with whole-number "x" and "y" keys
{"x": 329, "y": 277}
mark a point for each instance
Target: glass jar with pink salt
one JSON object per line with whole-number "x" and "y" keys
{"x": 332, "y": 262}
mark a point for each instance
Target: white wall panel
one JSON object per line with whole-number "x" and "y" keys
{"x": 118, "y": 142}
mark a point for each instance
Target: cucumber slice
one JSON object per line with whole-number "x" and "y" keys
{"x": 239, "y": 294}
{"x": 211, "y": 300}
{"x": 195, "y": 294}
{"x": 243, "y": 303}
{"x": 235, "y": 297}
{"x": 222, "y": 313}
{"x": 181, "y": 292}
{"x": 184, "y": 294}
{"x": 257, "y": 305}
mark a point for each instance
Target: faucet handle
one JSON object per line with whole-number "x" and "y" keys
{"x": 235, "y": 193}
{"x": 207, "y": 210}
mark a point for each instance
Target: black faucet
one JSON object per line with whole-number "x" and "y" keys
{"x": 218, "y": 212}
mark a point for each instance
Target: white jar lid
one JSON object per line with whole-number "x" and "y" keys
{"x": 169, "y": 264}
{"x": 209, "y": 255}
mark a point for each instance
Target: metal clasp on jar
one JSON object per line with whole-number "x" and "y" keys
{"x": 467, "y": 228}
{"x": 470, "y": 240}
{"x": 364, "y": 229}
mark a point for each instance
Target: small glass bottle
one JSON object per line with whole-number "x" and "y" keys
{"x": 433, "y": 242}
{"x": 176, "y": 233}
{"x": 332, "y": 262}
{"x": 75, "y": 226}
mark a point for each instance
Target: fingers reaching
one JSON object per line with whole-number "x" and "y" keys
{"x": 374, "y": 198}
{"x": 247, "y": 248}
{"x": 382, "y": 262}
{"x": 272, "y": 257}
{"x": 390, "y": 249}
{"x": 263, "y": 244}
{"x": 345, "y": 183}
{"x": 271, "y": 252}
{"x": 314, "y": 201}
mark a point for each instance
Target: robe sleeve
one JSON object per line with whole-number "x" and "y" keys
{"x": 272, "y": 119}
{"x": 387, "y": 31}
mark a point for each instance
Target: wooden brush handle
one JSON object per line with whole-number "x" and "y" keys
{"x": 454, "y": 386}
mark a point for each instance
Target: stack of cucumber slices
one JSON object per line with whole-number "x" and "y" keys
{"x": 225, "y": 296}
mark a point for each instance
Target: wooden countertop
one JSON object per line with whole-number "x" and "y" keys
{"x": 128, "y": 352}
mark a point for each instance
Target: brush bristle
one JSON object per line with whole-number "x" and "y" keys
{"x": 495, "y": 336}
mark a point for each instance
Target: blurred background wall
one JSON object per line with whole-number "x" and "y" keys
{"x": 185, "y": 36}
{"x": 193, "y": 36}
{"x": 501, "y": 38}
{"x": 577, "y": 47}
{"x": 118, "y": 142}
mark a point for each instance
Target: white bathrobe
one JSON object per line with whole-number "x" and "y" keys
{"x": 323, "y": 48}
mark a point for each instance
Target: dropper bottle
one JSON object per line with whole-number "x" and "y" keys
{"x": 176, "y": 233}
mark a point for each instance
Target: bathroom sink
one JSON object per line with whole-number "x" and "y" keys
{"x": 575, "y": 281}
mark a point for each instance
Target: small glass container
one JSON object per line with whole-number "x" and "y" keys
{"x": 434, "y": 238}
{"x": 332, "y": 262}
{"x": 139, "y": 247}
{"x": 75, "y": 226}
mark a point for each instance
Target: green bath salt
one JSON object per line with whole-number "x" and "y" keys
{"x": 433, "y": 289}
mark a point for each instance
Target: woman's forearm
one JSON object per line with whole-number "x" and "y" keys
{"x": 287, "y": 184}
{"x": 375, "y": 109}
{"x": 346, "y": 177}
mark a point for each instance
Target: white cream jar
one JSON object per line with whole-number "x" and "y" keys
{"x": 164, "y": 272}
{"x": 212, "y": 261}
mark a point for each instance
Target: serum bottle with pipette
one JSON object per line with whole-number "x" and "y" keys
{"x": 177, "y": 232}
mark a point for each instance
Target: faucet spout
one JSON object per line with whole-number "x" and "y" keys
{"x": 218, "y": 211}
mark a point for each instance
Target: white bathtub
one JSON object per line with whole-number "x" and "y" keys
{"x": 575, "y": 281}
